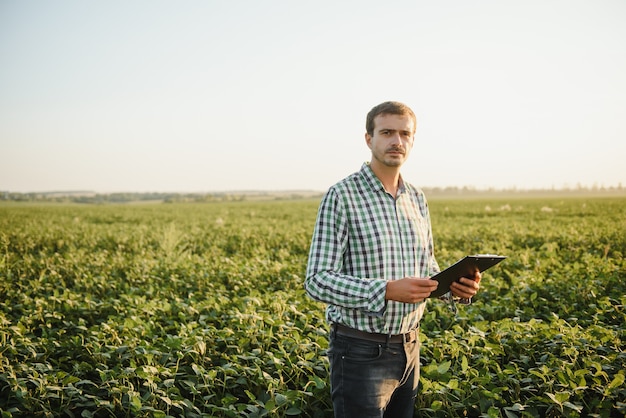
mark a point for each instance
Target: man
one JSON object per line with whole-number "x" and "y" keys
{"x": 370, "y": 260}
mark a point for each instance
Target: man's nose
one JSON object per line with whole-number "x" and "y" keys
{"x": 396, "y": 138}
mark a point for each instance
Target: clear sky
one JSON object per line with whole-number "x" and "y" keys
{"x": 216, "y": 95}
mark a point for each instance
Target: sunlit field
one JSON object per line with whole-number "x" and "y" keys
{"x": 198, "y": 310}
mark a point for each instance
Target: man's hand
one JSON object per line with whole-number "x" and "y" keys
{"x": 466, "y": 288}
{"x": 410, "y": 289}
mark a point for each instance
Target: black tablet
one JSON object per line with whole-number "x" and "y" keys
{"x": 465, "y": 267}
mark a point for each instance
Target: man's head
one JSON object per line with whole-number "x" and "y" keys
{"x": 390, "y": 134}
{"x": 388, "y": 108}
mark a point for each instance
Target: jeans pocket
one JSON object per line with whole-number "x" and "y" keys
{"x": 363, "y": 353}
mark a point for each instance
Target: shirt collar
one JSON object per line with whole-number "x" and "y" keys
{"x": 375, "y": 183}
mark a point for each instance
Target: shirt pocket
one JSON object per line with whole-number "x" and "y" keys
{"x": 419, "y": 231}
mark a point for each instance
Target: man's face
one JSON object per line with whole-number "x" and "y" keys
{"x": 392, "y": 139}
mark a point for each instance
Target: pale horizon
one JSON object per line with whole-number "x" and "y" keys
{"x": 210, "y": 97}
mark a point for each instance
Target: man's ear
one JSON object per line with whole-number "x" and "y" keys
{"x": 368, "y": 140}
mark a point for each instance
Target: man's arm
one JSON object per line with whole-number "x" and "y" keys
{"x": 325, "y": 281}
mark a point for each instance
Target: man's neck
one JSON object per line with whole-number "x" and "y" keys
{"x": 388, "y": 176}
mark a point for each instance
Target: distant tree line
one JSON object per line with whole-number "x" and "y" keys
{"x": 104, "y": 198}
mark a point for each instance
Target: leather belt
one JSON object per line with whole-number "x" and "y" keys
{"x": 409, "y": 337}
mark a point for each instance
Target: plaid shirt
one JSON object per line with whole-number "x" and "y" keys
{"x": 364, "y": 237}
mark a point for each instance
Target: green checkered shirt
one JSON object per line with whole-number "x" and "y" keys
{"x": 364, "y": 237}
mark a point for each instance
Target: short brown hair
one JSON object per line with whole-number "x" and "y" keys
{"x": 388, "y": 108}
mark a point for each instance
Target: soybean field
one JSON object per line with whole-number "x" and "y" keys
{"x": 198, "y": 310}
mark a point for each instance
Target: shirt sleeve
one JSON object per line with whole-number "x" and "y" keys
{"x": 325, "y": 278}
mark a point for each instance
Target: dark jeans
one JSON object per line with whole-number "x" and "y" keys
{"x": 370, "y": 379}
